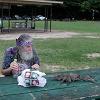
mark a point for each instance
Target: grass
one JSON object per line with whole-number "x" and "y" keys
{"x": 68, "y": 52}
{"x": 75, "y": 26}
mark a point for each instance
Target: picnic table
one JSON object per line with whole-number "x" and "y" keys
{"x": 18, "y": 24}
{"x": 54, "y": 90}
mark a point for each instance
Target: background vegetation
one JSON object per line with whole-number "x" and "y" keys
{"x": 78, "y": 9}
{"x": 70, "y": 10}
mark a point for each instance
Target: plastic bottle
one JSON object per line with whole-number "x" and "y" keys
{"x": 15, "y": 73}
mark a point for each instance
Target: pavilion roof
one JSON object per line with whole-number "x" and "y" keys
{"x": 37, "y": 2}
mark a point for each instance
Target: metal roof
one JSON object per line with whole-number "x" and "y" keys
{"x": 37, "y": 2}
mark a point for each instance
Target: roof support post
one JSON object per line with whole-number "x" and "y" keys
{"x": 32, "y": 20}
{"x": 46, "y": 20}
{"x": 50, "y": 17}
{"x": 2, "y": 19}
{"x": 9, "y": 7}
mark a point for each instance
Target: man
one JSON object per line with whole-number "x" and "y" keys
{"x": 24, "y": 53}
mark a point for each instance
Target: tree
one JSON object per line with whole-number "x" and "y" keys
{"x": 77, "y": 7}
{"x": 85, "y": 6}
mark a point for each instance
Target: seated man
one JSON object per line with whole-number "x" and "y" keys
{"x": 24, "y": 54}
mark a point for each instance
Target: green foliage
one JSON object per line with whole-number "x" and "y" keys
{"x": 82, "y": 5}
{"x": 95, "y": 4}
{"x": 85, "y": 3}
{"x": 85, "y": 6}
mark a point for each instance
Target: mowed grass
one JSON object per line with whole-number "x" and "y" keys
{"x": 69, "y": 52}
{"x": 75, "y": 26}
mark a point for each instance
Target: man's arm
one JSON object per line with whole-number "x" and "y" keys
{"x": 8, "y": 58}
{"x": 7, "y": 71}
{"x": 13, "y": 67}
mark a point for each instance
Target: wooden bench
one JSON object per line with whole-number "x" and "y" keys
{"x": 54, "y": 90}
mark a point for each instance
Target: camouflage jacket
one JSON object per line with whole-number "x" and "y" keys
{"x": 12, "y": 53}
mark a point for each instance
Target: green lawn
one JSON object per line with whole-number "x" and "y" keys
{"x": 75, "y": 26}
{"x": 69, "y": 52}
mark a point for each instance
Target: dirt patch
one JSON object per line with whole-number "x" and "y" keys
{"x": 45, "y": 35}
{"x": 93, "y": 55}
{"x": 58, "y": 68}
{"x": 53, "y": 34}
{"x": 92, "y": 37}
{"x": 52, "y": 68}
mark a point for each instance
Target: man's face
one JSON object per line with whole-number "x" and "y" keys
{"x": 27, "y": 48}
{"x": 26, "y": 52}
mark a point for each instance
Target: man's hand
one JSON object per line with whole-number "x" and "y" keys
{"x": 35, "y": 66}
{"x": 14, "y": 66}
